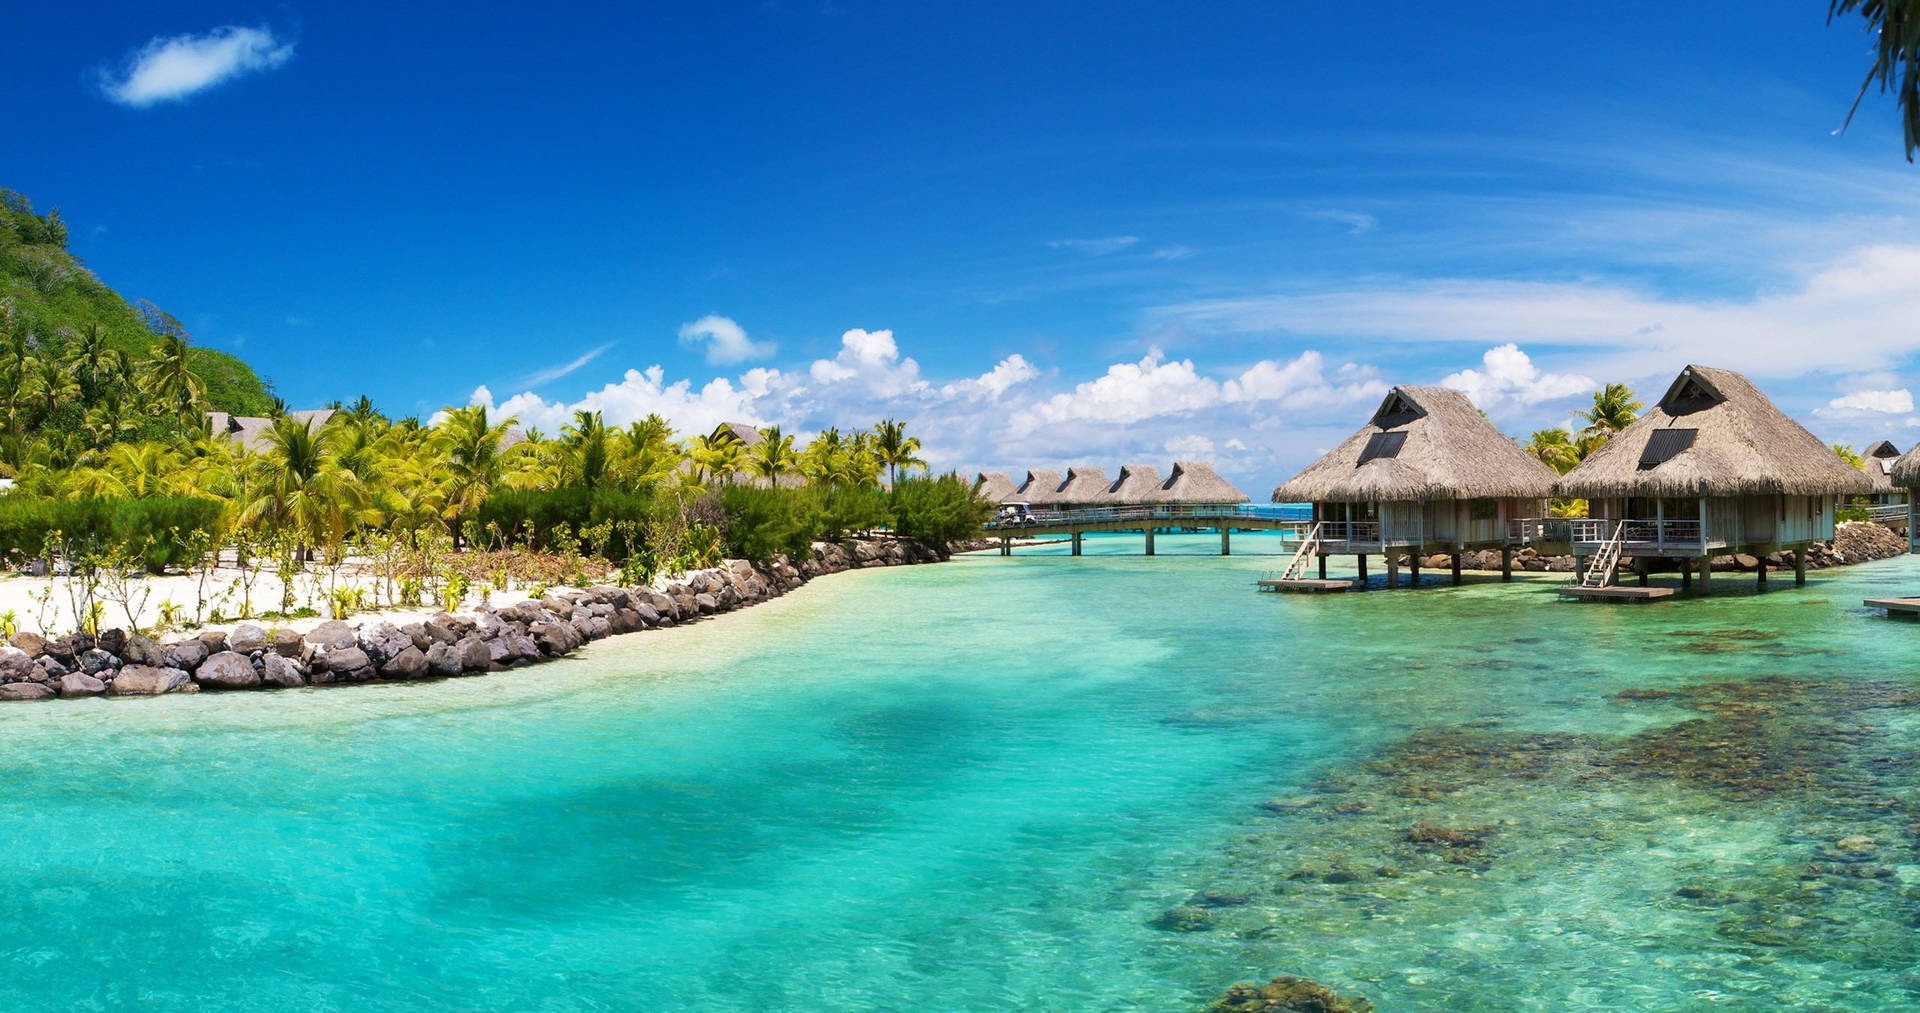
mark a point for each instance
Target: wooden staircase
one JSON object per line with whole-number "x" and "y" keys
{"x": 1605, "y": 563}
{"x": 1297, "y": 568}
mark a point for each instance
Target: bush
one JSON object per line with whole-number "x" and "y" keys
{"x": 763, "y": 523}
{"x": 533, "y": 517}
{"x": 159, "y": 530}
{"x": 938, "y": 511}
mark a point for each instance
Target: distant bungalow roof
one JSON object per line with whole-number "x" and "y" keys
{"x": 1713, "y": 434}
{"x": 1085, "y": 485}
{"x": 1878, "y": 463}
{"x": 250, "y": 431}
{"x": 995, "y": 486}
{"x": 1196, "y": 482}
{"x": 1138, "y": 483}
{"x": 1040, "y": 487}
{"x": 1423, "y": 443}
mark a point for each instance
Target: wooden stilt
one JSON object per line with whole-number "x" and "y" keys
{"x": 1456, "y": 567}
{"x": 1413, "y": 569}
{"x": 1323, "y": 567}
{"x": 1640, "y": 569}
{"x": 1706, "y": 576}
{"x": 1006, "y": 546}
{"x": 1393, "y": 571}
{"x": 1360, "y": 563}
{"x": 1686, "y": 575}
{"x": 1149, "y": 541}
{"x": 1226, "y": 543}
{"x": 1506, "y": 564}
{"x": 1760, "y": 575}
{"x": 1800, "y": 567}
{"x": 1076, "y": 543}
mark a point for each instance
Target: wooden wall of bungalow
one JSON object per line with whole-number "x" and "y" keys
{"x": 1431, "y": 526}
{"x": 1691, "y": 525}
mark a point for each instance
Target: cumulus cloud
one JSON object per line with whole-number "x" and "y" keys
{"x": 1012, "y": 370}
{"x": 870, "y": 360}
{"x": 1507, "y": 379}
{"x": 172, "y": 68}
{"x": 726, "y": 342}
{"x": 1866, "y": 403}
{"x": 1098, "y": 247}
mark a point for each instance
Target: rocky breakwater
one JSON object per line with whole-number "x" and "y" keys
{"x": 251, "y": 656}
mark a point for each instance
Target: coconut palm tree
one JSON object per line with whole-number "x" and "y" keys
{"x": 1614, "y": 408}
{"x": 586, "y": 449}
{"x": 1850, "y": 455}
{"x": 896, "y": 449}
{"x": 773, "y": 456}
{"x": 172, "y": 383}
{"x": 52, "y": 382}
{"x": 304, "y": 493}
{"x": 469, "y": 442}
{"x": 1895, "y": 25}
{"x": 1554, "y": 448}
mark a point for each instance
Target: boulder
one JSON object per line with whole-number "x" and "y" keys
{"x": 334, "y": 635}
{"x": 649, "y": 616}
{"x": 187, "y": 654}
{"x": 147, "y": 680}
{"x": 410, "y": 663}
{"x": 96, "y": 661}
{"x": 247, "y": 638}
{"x": 51, "y": 666}
{"x": 81, "y": 684}
{"x": 17, "y": 665}
{"x": 214, "y": 641}
{"x": 278, "y": 671}
{"x": 347, "y": 659}
{"x": 227, "y": 670}
{"x": 288, "y": 644}
{"x": 554, "y": 639}
{"x": 706, "y": 603}
{"x": 475, "y": 654}
{"x": 443, "y": 658}
{"x": 25, "y": 691}
{"x": 439, "y": 632}
{"x": 113, "y": 642}
{"x": 141, "y": 650}
{"x": 32, "y": 643}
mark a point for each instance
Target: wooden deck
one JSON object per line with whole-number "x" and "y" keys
{"x": 1617, "y": 593}
{"x": 1896, "y": 606}
{"x": 1307, "y": 585}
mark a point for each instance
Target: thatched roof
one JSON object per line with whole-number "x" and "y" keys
{"x": 250, "y": 431}
{"x": 1424, "y": 443}
{"x": 1197, "y": 482}
{"x": 1086, "y": 485}
{"x": 1906, "y": 470}
{"x": 1878, "y": 462}
{"x": 1713, "y": 434}
{"x": 1039, "y": 487}
{"x": 1138, "y": 483}
{"x": 744, "y": 433}
{"x": 995, "y": 486}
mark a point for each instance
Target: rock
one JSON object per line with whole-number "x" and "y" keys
{"x": 346, "y": 660}
{"x": 334, "y": 635}
{"x": 247, "y": 638}
{"x": 1289, "y": 993}
{"x": 96, "y": 661}
{"x": 289, "y": 644}
{"x": 17, "y": 665}
{"x": 706, "y": 603}
{"x": 649, "y": 616}
{"x": 51, "y": 666}
{"x": 417, "y": 632}
{"x": 228, "y": 670}
{"x": 1185, "y": 918}
{"x": 278, "y": 671}
{"x": 187, "y": 654}
{"x": 443, "y": 658}
{"x": 147, "y": 680}
{"x": 439, "y": 631}
{"x": 598, "y": 628}
{"x": 383, "y": 642}
{"x": 32, "y": 643}
{"x": 475, "y": 655}
{"x": 113, "y": 642}
{"x": 140, "y": 650}
{"x": 410, "y": 663}
{"x": 214, "y": 641}
{"x": 554, "y": 639}
{"x": 25, "y": 691}
{"x": 81, "y": 684}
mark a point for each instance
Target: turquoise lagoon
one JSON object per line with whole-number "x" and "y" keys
{"x": 1108, "y": 783}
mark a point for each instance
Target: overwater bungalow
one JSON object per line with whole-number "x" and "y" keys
{"x": 1195, "y": 483}
{"x": 995, "y": 487}
{"x": 1713, "y": 468}
{"x": 1878, "y": 463}
{"x": 1138, "y": 484}
{"x": 1084, "y": 487}
{"x": 1427, "y": 474}
{"x": 1040, "y": 489}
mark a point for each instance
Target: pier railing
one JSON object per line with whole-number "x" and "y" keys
{"x": 1169, "y": 513}
{"x": 1636, "y": 531}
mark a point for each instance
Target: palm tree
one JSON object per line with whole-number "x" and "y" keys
{"x": 470, "y": 443}
{"x": 585, "y": 443}
{"x": 89, "y": 355}
{"x": 773, "y": 456}
{"x": 172, "y": 382}
{"x": 1614, "y": 409}
{"x": 1850, "y": 455}
{"x": 896, "y": 449}
{"x": 1554, "y": 448}
{"x": 52, "y": 382}
{"x": 305, "y": 493}
{"x": 1895, "y": 25}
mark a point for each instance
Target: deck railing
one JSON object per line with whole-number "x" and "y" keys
{"x": 1636, "y": 531}
{"x": 1364, "y": 532}
{"x": 1891, "y": 513}
{"x": 1171, "y": 513}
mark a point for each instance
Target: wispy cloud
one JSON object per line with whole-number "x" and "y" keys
{"x": 1174, "y": 252}
{"x": 1097, "y": 247}
{"x": 555, "y": 372}
{"x": 1355, "y": 221}
{"x": 172, "y": 68}
{"x": 726, "y": 341}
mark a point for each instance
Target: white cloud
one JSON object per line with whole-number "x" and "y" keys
{"x": 172, "y": 68}
{"x": 1096, "y": 247}
{"x": 555, "y": 372}
{"x": 726, "y": 341}
{"x": 1174, "y": 252}
{"x": 1508, "y": 379}
{"x": 1189, "y": 447}
{"x": 1849, "y": 314}
{"x": 1012, "y": 370}
{"x": 1862, "y": 403}
{"x": 870, "y": 361}
{"x": 1355, "y": 221}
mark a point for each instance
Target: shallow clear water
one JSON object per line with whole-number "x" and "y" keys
{"x": 980, "y": 785}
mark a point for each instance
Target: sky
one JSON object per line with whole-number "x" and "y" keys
{"x": 1041, "y": 234}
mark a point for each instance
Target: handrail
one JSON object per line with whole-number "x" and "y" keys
{"x": 1301, "y": 554}
{"x": 1147, "y": 512}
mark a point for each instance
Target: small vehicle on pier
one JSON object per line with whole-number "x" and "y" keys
{"x": 1015, "y": 515}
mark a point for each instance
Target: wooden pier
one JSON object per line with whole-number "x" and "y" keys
{"x": 1615, "y": 592}
{"x": 1895, "y": 606}
{"x": 1145, "y": 519}
{"x": 1309, "y": 585}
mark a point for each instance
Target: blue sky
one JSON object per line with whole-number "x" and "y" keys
{"x": 1045, "y": 234}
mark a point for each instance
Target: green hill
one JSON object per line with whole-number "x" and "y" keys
{"x": 54, "y": 298}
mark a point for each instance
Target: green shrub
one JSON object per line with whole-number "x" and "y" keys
{"x": 159, "y": 530}
{"x": 938, "y": 511}
{"x": 763, "y": 523}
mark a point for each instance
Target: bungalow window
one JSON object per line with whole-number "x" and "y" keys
{"x": 1483, "y": 509}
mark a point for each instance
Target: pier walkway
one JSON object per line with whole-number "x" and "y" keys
{"x": 1147, "y": 519}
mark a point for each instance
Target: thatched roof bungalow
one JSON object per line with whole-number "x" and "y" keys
{"x": 1196, "y": 483}
{"x": 1878, "y": 463}
{"x": 1712, "y": 468}
{"x": 1427, "y": 473}
{"x": 995, "y": 487}
{"x": 250, "y": 431}
{"x": 1138, "y": 484}
{"x": 1040, "y": 488}
{"x": 1085, "y": 487}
